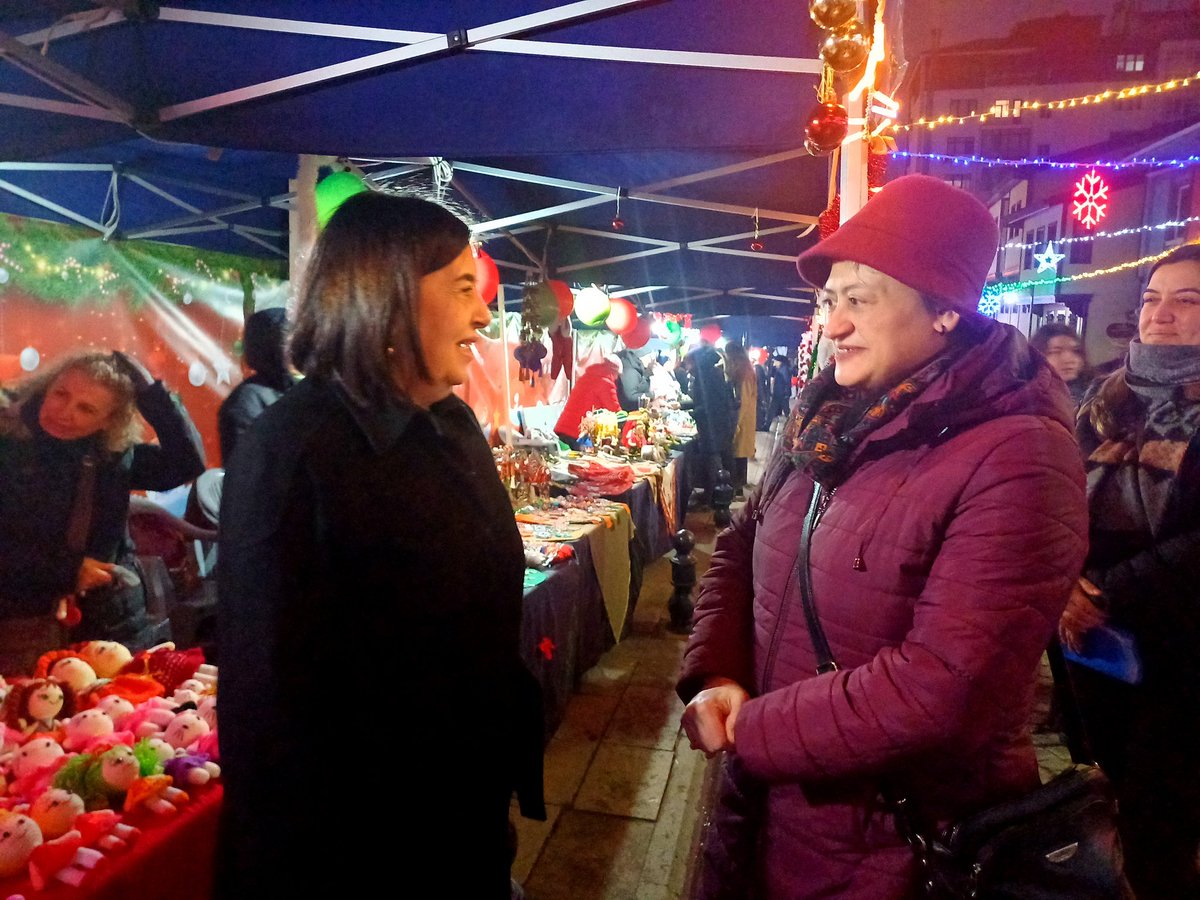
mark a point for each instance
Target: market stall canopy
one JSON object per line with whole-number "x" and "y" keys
{"x": 183, "y": 122}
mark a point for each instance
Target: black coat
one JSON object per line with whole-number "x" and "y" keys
{"x": 241, "y": 407}
{"x": 713, "y": 404}
{"x": 633, "y": 382}
{"x": 40, "y": 475}
{"x": 370, "y": 579}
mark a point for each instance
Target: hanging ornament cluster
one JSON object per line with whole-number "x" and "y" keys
{"x": 529, "y": 354}
{"x": 827, "y": 123}
{"x": 756, "y": 244}
{"x": 592, "y": 306}
{"x": 618, "y": 224}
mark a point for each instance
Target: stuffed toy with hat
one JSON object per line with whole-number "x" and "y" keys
{"x": 101, "y": 779}
{"x": 37, "y": 705}
{"x": 55, "y": 810}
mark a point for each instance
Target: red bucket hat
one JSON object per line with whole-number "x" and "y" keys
{"x": 935, "y": 238}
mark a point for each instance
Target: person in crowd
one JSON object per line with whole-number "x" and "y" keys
{"x": 595, "y": 388}
{"x": 887, "y": 512}
{"x": 1060, "y": 345}
{"x": 70, "y": 453}
{"x": 781, "y": 387}
{"x": 762, "y": 376}
{"x": 371, "y": 572}
{"x": 1139, "y": 430}
{"x": 740, "y": 374}
{"x": 633, "y": 385}
{"x": 263, "y": 343}
{"x": 712, "y": 407}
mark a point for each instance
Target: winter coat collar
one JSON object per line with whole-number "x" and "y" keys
{"x": 384, "y": 425}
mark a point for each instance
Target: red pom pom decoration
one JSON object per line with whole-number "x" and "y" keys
{"x": 566, "y": 297}
{"x": 487, "y": 276}
{"x": 710, "y": 333}
{"x": 622, "y": 316}
{"x": 639, "y": 335}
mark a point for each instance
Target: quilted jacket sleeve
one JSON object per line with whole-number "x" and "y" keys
{"x": 1014, "y": 542}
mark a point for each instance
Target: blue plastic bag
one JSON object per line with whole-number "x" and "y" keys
{"x": 1111, "y": 651}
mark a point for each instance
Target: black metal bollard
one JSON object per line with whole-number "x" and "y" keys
{"x": 722, "y": 496}
{"x": 683, "y": 577}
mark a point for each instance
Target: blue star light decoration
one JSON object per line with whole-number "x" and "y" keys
{"x": 1048, "y": 260}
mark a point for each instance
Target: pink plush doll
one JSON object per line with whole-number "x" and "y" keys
{"x": 183, "y": 731}
{"x": 150, "y": 717}
{"x": 84, "y": 729}
{"x": 34, "y": 767}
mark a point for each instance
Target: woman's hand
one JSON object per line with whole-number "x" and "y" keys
{"x": 93, "y": 574}
{"x": 710, "y": 717}
{"x": 138, "y": 374}
{"x": 1081, "y": 615}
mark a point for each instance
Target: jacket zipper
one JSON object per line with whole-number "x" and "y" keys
{"x": 823, "y": 499}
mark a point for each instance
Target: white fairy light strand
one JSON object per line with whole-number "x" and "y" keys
{"x": 1150, "y": 162}
{"x": 1180, "y": 223}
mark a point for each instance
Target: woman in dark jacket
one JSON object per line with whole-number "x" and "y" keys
{"x": 714, "y": 408}
{"x": 263, "y": 341}
{"x": 929, "y": 497}
{"x": 1060, "y": 345}
{"x": 69, "y": 456}
{"x": 1140, "y": 433}
{"x": 371, "y": 573}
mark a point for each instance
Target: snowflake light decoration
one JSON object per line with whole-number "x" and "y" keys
{"x": 1091, "y": 199}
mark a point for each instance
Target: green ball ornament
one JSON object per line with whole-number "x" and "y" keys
{"x": 674, "y": 332}
{"x": 334, "y": 190}
{"x": 592, "y": 306}
{"x": 541, "y": 305}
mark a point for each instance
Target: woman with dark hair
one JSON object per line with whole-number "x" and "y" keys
{"x": 70, "y": 453}
{"x": 366, "y": 540}
{"x": 1139, "y": 430}
{"x": 875, "y": 614}
{"x": 263, "y": 345}
{"x": 1060, "y": 345}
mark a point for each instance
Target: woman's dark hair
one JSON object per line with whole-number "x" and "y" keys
{"x": 737, "y": 363}
{"x": 1182, "y": 253}
{"x": 263, "y": 342}
{"x": 1041, "y": 338}
{"x": 356, "y": 319}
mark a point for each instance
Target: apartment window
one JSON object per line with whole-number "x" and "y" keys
{"x": 1181, "y": 208}
{"x": 1027, "y": 261}
{"x": 1051, "y": 233}
{"x": 1131, "y": 62}
{"x": 1081, "y": 252}
{"x": 1010, "y": 144}
{"x": 965, "y": 107}
{"x": 1006, "y": 109}
{"x": 960, "y": 146}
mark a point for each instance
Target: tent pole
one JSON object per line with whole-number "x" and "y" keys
{"x": 508, "y": 396}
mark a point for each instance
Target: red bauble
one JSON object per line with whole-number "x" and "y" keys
{"x": 487, "y": 276}
{"x": 622, "y": 316}
{"x": 826, "y": 127}
{"x": 618, "y": 223}
{"x": 710, "y": 333}
{"x": 756, "y": 246}
{"x": 639, "y": 335}
{"x": 566, "y": 298}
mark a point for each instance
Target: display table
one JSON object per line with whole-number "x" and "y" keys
{"x": 172, "y": 859}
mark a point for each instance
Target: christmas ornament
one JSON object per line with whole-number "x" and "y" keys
{"x": 830, "y": 218}
{"x": 3, "y": 276}
{"x": 30, "y": 359}
{"x": 1091, "y": 199}
{"x": 566, "y": 297}
{"x": 846, "y": 48}
{"x": 639, "y": 336}
{"x": 197, "y": 374}
{"x": 674, "y": 332}
{"x": 830, "y": 14}
{"x": 710, "y": 333}
{"x": 826, "y": 128}
{"x": 334, "y": 190}
{"x": 1048, "y": 260}
{"x": 622, "y": 316}
{"x": 592, "y": 306}
{"x": 540, "y": 308}
{"x": 756, "y": 245}
{"x": 487, "y": 276}
{"x": 618, "y": 223}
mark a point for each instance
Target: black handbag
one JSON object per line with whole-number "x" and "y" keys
{"x": 1058, "y": 842}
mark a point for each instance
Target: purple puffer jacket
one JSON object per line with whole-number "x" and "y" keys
{"x": 939, "y": 571}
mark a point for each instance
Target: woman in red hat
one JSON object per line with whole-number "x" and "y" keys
{"x": 926, "y": 506}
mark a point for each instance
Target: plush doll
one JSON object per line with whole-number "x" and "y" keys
{"x": 191, "y": 769}
{"x": 155, "y": 793}
{"x": 74, "y": 671}
{"x": 185, "y": 729}
{"x": 116, "y": 708}
{"x": 19, "y": 837}
{"x": 103, "y": 829}
{"x": 64, "y": 859}
{"x": 55, "y": 811}
{"x": 150, "y": 717}
{"x": 101, "y": 779}
{"x": 84, "y": 728}
{"x": 166, "y": 665}
{"x": 37, "y": 705}
{"x": 34, "y": 767}
{"x": 107, "y": 658}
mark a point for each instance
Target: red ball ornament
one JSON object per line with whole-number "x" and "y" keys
{"x": 622, "y": 316}
{"x": 710, "y": 333}
{"x": 487, "y": 276}
{"x": 756, "y": 245}
{"x": 846, "y": 48}
{"x": 831, "y": 14}
{"x": 826, "y": 127}
{"x": 639, "y": 335}
{"x": 566, "y": 298}
{"x": 618, "y": 223}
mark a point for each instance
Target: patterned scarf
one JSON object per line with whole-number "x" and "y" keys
{"x": 1149, "y": 413}
{"x": 829, "y": 421}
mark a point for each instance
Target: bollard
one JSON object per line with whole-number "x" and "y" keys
{"x": 722, "y": 496}
{"x": 683, "y": 577}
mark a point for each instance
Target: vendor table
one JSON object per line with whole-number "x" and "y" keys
{"x": 567, "y": 625}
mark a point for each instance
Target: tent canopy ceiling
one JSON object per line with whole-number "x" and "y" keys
{"x": 183, "y": 122}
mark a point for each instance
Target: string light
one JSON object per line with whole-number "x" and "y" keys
{"x": 1175, "y": 223}
{"x": 1011, "y": 287}
{"x": 1140, "y": 90}
{"x": 991, "y": 161}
